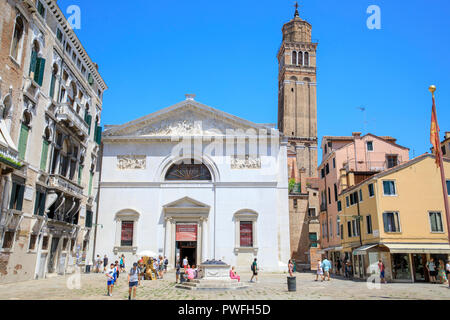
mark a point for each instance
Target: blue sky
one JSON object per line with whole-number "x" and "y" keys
{"x": 151, "y": 53}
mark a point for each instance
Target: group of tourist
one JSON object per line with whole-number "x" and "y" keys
{"x": 438, "y": 273}
{"x": 112, "y": 275}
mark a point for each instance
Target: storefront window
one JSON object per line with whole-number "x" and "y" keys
{"x": 400, "y": 266}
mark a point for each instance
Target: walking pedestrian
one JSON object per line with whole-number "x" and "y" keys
{"x": 116, "y": 264}
{"x": 254, "y": 268}
{"x": 110, "y": 280}
{"x": 319, "y": 272}
{"x": 122, "y": 263}
{"x": 177, "y": 271}
{"x": 105, "y": 263}
{"x": 166, "y": 263}
{"x": 185, "y": 262}
{"x": 441, "y": 272}
{"x": 381, "y": 267}
{"x": 447, "y": 269}
{"x": 326, "y": 266}
{"x": 339, "y": 266}
{"x": 431, "y": 267}
{"x": 133, "y": 281}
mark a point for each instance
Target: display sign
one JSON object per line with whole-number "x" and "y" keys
{"x": 186, "y": 232}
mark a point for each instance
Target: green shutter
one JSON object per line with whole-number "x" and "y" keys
{"x": 52, "y": 86}
{"x": 98, "y": 135}
{"x": 44, "y": 155}
{"x": 80, "y": 173}
{"x": 36, "y": 70}
{"x": 42, "y": 204}
{"x": 13, "y": 195}
{"x": 90, "y": 183}
{"x": 37, "y": 202}
{"x": 89, "y": 121}
{"x": 23, "y": 141}
{"x": 20, "y": 197}
{"x": 41, "y": 71}
{"x": 33, "y": 62}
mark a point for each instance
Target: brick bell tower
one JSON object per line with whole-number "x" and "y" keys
{"x": 297, "y": 99}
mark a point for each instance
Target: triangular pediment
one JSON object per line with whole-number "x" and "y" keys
{"x": 187, "y": 202}
{"x": 187, "y": 118}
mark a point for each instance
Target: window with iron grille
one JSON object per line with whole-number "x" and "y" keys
{"x": 246, "y": 234}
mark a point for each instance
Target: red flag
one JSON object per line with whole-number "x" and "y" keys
{"x": 434, "y": 135}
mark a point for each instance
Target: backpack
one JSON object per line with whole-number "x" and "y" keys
{"x": 252, "y": 266}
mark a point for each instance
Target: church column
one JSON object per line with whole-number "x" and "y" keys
{"x": 168, "y": 237}
{"x": 204, "y": 240}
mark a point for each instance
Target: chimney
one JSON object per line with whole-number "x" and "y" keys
{"x": 350, "y": 179}
{"x": 303, "y": 180}
{"x": 356, "y": 135}
{"x": 343, "y": 178}
{"x": 447, "y": 135}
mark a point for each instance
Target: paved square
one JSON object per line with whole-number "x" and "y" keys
{"x": 271, "y": 286}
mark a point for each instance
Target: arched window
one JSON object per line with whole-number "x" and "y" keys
{"x": 294, "y": 57}
{"x": 16, "y": 45}
{"x": 246, "y": 229}
{"x": 188, "y": 170}
{"x": 300, "y": 58}
{"x": 72, "y": 93}
{"x": 306, "y": 59}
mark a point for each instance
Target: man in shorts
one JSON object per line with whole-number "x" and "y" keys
{"x": 133, "y": 281}
{"x": 254, "y": 268}
{"x": 110, "y": 280}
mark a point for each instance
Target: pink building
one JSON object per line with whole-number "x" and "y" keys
{"x": 362, "y": 157}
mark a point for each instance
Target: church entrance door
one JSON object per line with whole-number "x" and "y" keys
{"x": 186, "y": 242}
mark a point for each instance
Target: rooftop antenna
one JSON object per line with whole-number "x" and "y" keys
{"x": 363, "y": 110}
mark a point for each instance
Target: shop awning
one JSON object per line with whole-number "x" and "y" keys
{"x": 5, "y": 138}
{"x": 362, "y": 250}
{"x": 418, "y": 247}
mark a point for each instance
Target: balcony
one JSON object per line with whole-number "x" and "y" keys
{"x": 61, "y": 183}
{"x": 73, "y": 121}
{"x": 371, "y": 166}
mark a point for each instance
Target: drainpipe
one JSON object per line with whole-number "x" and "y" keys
{"x": 98, "y": 199}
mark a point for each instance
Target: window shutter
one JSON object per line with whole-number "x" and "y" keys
{"x": 98, "y": 137}
{"x": 52, "y": 86}
{"x": 90, "y": 183}
{"x": 37, "y": 202}
{"x": 41, "y": 71}
{"x": 13, "y": 195}
{"x": 44, "y": 156}
{"x": 23, "y": 141}
{"x": 20, "y": 197}
{"x": 80, "y": 173}
{"x": 42, "y": 204}
{"x": 33, "y": 62}
{"x": 89, "y": 121}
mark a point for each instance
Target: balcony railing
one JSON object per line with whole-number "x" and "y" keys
{"x": 73, "y": 120}
{"x": 57, "y": 181}
{"x": 371, "y": 166}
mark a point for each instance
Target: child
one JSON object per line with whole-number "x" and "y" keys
{"x": 110, "y": 278}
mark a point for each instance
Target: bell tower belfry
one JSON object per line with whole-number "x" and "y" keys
{"x": 297, "y": 99}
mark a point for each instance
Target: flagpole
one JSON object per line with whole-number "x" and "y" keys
{"x": 443, "y": 180}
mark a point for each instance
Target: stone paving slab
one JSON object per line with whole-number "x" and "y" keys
{"x": 272, "y": 286}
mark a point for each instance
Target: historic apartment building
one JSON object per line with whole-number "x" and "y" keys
{"x": 51, "y": 102}
{"x": 297, "y": 120}
{"x": 397, "y": 216}
{"x": 349, "y": 160}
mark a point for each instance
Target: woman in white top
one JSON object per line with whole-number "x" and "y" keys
{"x": 319, "y": 270}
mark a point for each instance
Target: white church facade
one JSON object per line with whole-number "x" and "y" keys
{"x": 193, "y": 181}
